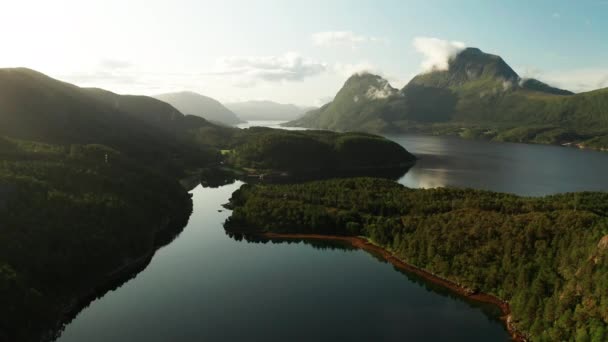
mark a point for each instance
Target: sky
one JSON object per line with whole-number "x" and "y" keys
{"x": 295, "y": 52}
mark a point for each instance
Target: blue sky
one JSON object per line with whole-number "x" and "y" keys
{"x": 298, "y": 52}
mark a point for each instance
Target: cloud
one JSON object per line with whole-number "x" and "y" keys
{"x": 107, "y": 71}
{"x": 100, "y": 76}
{"x": 250, "y": 69}
{"x": 437, "y": 52}
{"x": 577, "y": 80}
{"x": 343, "y": 38}
{"x": 323, "y": 101}
{"x": 114, "y": 64}
{"x": 380, "y": 91}
{"x": 349, "y": 69}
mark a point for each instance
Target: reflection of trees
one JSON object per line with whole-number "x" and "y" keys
{"x": 315, "y": 243}
{"x": 491, "y": 311}
{"x": 216, "y": 177}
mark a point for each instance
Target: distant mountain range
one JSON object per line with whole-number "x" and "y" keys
{"x": 267, "y": 110}
{"x": 203, "y": 106}
{"x": 479, "y": 96}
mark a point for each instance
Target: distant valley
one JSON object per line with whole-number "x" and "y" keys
{"x": 203, "y": 106}
{"x": 267, "y": 110}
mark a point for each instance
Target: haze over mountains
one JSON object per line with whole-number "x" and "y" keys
{"x": 202, "y": 106}
{"x": 479, "y": 95}
{"x": 267, "y": 110}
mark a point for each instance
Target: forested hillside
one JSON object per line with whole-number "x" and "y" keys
{"x": 88, "y": 190}
{"x": 71, "y": 217}
{"x": 319, "y": 152}
{"x": 548, "y": 257}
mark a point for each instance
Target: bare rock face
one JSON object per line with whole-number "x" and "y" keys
{"x": 603, "y": 244}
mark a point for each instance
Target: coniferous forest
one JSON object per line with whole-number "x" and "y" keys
{"x": 547, "y": 256}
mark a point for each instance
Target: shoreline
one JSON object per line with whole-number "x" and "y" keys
{"x": 364, "y": 244}
{"x": 572, "y": 144}
{"x": 167, "y": 230}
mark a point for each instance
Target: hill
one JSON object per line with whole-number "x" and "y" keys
{"x": 267, "y": 110}
{"x": 478, "y": 96}
{"x": 36, "y": 107}
{"x": 319, "y": 154}
{"x": 88, "y": 191}
{"x": 202, "y": 106}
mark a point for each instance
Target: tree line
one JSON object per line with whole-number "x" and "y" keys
{"x": 548, "y": 256}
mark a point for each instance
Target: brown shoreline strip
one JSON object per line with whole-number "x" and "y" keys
{"x": 364, "y": 244}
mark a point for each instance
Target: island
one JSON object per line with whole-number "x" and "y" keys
{"x": 297, "y": 155}
{"x": 544, "y": 260}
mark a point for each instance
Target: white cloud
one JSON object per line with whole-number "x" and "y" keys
{"x": 343, "y": 38}
{"x": 577, "y": 80}
{"x": 323, "y": 101}
{"x": 249, "y": 69}
{"x": 107, "y": 71}
{"x": 437, "y": 52}
{"x": 114, "y": 64}
{"x": 349, "y": 69}
{"x": 374, "y": 93}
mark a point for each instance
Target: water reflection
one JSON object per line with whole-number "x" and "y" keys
{"x": 491, "y": 311}
{"x": 204, "y": 284}
{"x": 524, "y": 169}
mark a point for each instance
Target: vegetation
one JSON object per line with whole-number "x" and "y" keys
{"x": 38, "y": 108}
{"x": 71, "y": 216}
{"x": 88, "y": 186}
{"x": 479, "y": 92}
{"x": 548, "y": 257}
{"x": 305, "y": 152}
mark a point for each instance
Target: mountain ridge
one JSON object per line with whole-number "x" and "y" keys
{"x": 193, "y": 103}
{"x": 266, "y": 110}
{"x": 478, "y": 96}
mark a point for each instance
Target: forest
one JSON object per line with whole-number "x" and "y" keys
{"x": 315, "y": 151}
{"x": 71, "y": 216}
{"x": 546, "y": 256}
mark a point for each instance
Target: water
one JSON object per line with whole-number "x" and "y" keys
{"x": 205, "y": 286}
{"x": 268, "y": 123}
{"x": 523, "y": 169}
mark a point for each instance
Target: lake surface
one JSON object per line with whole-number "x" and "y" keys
{"x": 524, "y": 169}
{"x": 206, "y": 286}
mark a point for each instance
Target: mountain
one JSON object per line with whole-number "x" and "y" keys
{"x": 267, "y": 110}
{"x": 36, "y": 107}
{"x": 88, "y": 191}
{"x": 200, "y": 105}
{"x": 479, "y": 96}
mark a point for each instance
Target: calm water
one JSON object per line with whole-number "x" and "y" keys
{"x": 205, "y": 286}
{"x": 531, "y": 170}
